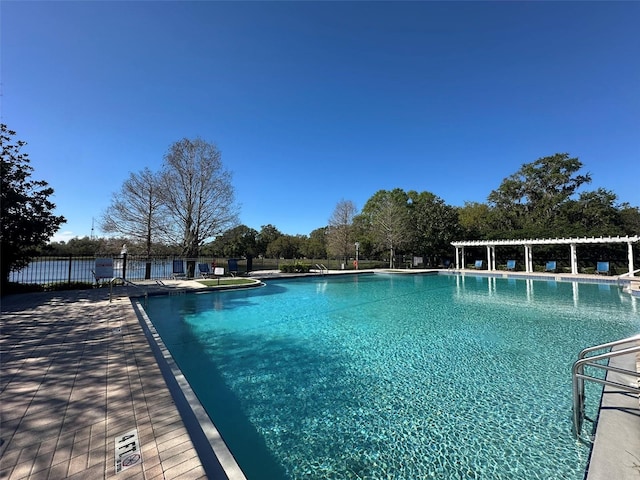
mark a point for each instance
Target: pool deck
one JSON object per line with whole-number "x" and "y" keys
{"x": 77, "y": 372}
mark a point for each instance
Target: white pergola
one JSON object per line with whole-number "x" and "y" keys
{"x": 528, "y": 249}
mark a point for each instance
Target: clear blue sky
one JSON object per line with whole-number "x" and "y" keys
{"x": 314, "y": 102}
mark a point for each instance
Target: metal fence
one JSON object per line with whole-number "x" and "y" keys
{"x": 80, "y": 268}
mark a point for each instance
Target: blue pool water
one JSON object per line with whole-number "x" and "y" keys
{"x": 394, "y": 376}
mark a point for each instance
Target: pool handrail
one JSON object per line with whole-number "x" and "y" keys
{"x": 579, "y": 376}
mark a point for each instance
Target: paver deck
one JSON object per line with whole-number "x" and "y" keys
{"x": 77, "y": 371}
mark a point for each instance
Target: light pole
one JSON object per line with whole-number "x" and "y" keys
{"x": 357, "y": 250}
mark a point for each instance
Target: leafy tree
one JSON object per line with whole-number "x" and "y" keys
{"x": 386, "y": 216}
{"x": 530, "y": 199}
{"x": 236, "y": 242}
{"x": 135, "y": 211}
{"x": 340, "y": 237}
{"x": 285, "y": 246}
{"x": 26, "y": 211}
{"x": 315, "y": 245}
{"x": 475, "y": 220}
{"x": 435, "y": 224}
{"x": 268, "y": 234}
{"x": 197, "y": 193}
{"x": 630, "y": 218}
{"x": 593, "y": 213}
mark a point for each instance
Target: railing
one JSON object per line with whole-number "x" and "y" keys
{"x": 627, "y": 280}
{"x": 322, "y": 268}
{"x": 587, "y": 360}
{"x": 68, "y": 269}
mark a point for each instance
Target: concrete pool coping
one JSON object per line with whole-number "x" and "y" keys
{"x": 78, "y": 370}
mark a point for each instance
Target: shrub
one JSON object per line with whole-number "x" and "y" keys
{"x": 295, "y": 268}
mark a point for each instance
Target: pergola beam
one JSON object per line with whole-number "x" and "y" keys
{"x": 528, "y": 244}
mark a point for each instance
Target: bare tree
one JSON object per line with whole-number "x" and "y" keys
{"x": 197, "y": 194}
{"x": 134, "y": 211}
{"x": 387, "y": 215}
{"x": 340, "y": 241}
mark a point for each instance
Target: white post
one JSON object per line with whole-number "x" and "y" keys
{"x": 493, "y": 257}
{"x": 630, "y": 257}
{"x": 462, "y": 255}
{"x": 574, "y": 260}
{"x": 528, "y": 258}
{"x": 488, "y": 257}
{"x": 457, "y": 259}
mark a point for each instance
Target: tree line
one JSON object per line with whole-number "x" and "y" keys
{"x": 540, "y": 200}
{"x": 188, "y": 208}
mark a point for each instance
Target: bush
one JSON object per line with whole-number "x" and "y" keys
{"x": 295, "y": 268}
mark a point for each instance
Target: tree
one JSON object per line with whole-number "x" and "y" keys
{"x": 435, "y": 224}
{"x": 387, "y": 217}
{"x": 27, "y": 215}
{"x": 135, "y": 211}
{"x": 268, "y": 234}
{"x": 530, "y": 199}
{"x": 285, "y": 246}
{"x": 475, "y": 220}
{"x": 236, "y": 242}
{"x": 197, "y": 194}
{"x": 315, "y": 245}
{"x": 340, "y": 241}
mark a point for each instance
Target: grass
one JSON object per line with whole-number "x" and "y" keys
{"x": 226, "y": 281}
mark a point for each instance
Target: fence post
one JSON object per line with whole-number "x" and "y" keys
{"x": 123, "y": 252}
{"x": 147, "y": 269}
{"x": 69, "y": 272}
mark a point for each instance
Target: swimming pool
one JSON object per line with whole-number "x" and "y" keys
{"x": 394, "y": 376}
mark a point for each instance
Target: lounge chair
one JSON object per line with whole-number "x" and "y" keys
{"x": 511, "y": 265}
{"x": 204, "y": 270}
{"x": 602, "y": 268}
{"x": 233, "y": 266}
{"x": 478, "y": 265}
{"x": 550, "y": 266}
{"x": 178, "y": 269}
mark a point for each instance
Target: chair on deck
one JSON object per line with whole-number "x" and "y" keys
{"x": 204, "y": 270}
{"x": 178, "y": 269}
{"x": 602, "y": 268}
{"x": 233, "y": 266}
{"x": 511, "y": 265}
{"x": 478, "y": 265}
{"x": 551, "y": 266}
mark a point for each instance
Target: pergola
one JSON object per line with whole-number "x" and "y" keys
{"x": 528, "y": 249}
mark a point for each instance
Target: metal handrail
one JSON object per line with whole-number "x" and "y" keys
{"x": 629, "y": 274}
{"x": 603, "y": 346}
{"x": 578, "y": 375}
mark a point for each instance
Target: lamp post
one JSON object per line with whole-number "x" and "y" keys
{"x": 357, "y": 250}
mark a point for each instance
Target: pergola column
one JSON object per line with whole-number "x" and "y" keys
{"x": 574, "y": 260}
{"x": 489, "y": 257}
{"x": 630, "y": 257}
{"x": 457, "y": 258}
{"x": 493, "y": 257}
{"x": 528, "y": 259}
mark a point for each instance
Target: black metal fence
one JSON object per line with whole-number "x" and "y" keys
{"x": 69, "y": 269}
